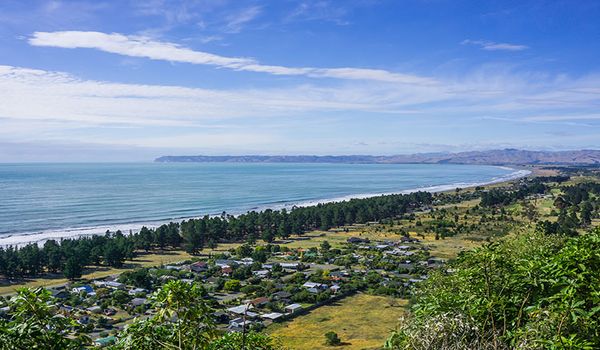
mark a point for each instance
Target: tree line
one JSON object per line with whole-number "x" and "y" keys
{"x": 70, "y": 256}
{"x": 501, "y": 197}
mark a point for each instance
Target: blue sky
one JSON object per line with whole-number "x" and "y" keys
{"x": 132, "y": 80}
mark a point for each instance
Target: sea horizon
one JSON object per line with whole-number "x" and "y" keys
{"x": 260, "y": 186}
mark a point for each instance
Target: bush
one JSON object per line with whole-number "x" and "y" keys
{"x": 232, "y": 285}
{"x": 332, "y": 339}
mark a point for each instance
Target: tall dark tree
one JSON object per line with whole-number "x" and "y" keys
{"x": 73, "y": 268}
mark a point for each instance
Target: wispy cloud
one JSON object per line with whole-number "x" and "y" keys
{"x": 140, "y": 46}
{"x": 564, "y": 117}
{"x": 494, "y": 46}
{"x": 236, "y": 21}
{"x": 321, "y": 10}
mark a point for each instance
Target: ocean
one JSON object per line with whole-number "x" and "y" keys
{"x": 43, "y": 201}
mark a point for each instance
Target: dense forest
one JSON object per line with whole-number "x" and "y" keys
{"x": 70, "y": 256}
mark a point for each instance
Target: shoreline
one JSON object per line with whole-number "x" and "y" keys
{"x": 22, "y": 239}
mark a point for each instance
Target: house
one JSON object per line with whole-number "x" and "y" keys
{"x": 136, "y": 291}
{"x": 225, "y": 262}
{"x": 245, "y": 261}
{"x": 435, "y": 262}
{"x": 221, "y": 317}
{"x": 83, "y": 289}
{"x": 240, "y": 309}
{"x": 65, "y": 309}
{"x": 314, "y": 285}
{"x": 259, "y": 302}
{"x": 357, "y": 240}
{"x": 102, "y": 342}
{"x": 290, "y": 266}
{"x": 83, "y": 320}
{"x": 281, "y": 295}
{"x": 261, "y": 273}
{"x": 110, "y": 284}
{"x": 226, "y": 270}
{"x": 59, "y": 294}
{"x": 313, "y": 290}
{"x": 94, "y": 309}
{"x": 173, "y": 267}
{"x": 273, "y": 316}
{"x": 110, "y": 311}
{"x": 239, "y": 324}
{"x": 137, "y": 302}
{"x": 199, "y": 266}
{"x": 338, "y": 275}
{"x": 293, "y": 308}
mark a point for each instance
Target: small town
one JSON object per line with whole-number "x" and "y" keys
{"x": 252, "y": 287}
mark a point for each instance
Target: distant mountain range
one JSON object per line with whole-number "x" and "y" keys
{"x": 493, "y": 157}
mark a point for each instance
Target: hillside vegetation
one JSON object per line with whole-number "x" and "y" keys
{"x": 528, "y": 291}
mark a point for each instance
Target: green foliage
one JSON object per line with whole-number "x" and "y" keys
{"x": 232, "y": 285}
{"x": 530, "y": 291}
{"x": 251, "y": 341}
{"x": 72, "y": 269}
{"x": 34, "y": 324}
{"x": 183, "y": 321}
{"x": 139, "y": 277}
{"x": 332, "y": 339}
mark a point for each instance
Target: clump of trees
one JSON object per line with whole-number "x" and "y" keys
{"x": 500, "y": 196}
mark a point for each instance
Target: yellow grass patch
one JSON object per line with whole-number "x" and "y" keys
{"x": 361, "y": 321}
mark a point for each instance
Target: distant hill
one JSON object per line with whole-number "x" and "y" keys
{"x": 493, "y": 157}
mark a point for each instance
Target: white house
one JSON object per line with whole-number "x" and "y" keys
{"x": 293, "y": 308}
{"x": 313, "y": 285}
{"x": 135, "y": 291}
{"x": 273, "y": 316}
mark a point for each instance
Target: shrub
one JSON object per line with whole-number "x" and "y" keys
{"x": 332, "y": 339}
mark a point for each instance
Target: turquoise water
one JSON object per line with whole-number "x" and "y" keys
{"x": 57, "y": 200}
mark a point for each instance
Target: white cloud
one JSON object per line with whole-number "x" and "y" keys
{"x": 37, "y": 95}
{"x": 493, "y": 46}
{"x": 562, "y": 117}
{"x": 139, "y": 46}
{"x": 236, "y": 22}
{"x": 44, "y": 105}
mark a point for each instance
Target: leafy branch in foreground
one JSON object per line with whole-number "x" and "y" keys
{"x": 529, "y": 291}
{"x": 184, "y": 322}
{"x": 32, "y": 323}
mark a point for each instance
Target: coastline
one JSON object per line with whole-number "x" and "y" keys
{"x": 22, "y": 239}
